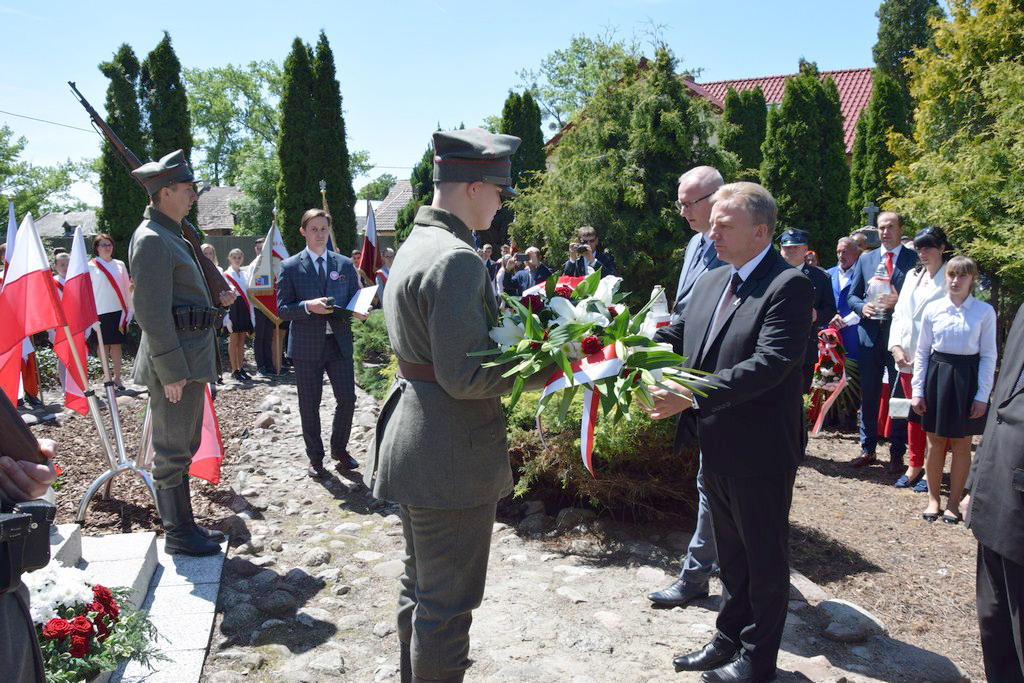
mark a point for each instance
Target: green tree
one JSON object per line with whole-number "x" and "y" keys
{"x": 298, "y": 187}
{"x": 744, "y": 120}
{"x": 257, "y": 175}
{"x": 961, "y": 168}
{"x": 331, "y": 159}
{"x": 35, "y": 189}
{"x": 378, "y": 188}
{"x": 164, "y": 103}
{"x": 422, "y": 179}
{"x": 886, "y": 111}
{"x": 123, "y": 200}
{"x": 567, "y": 78}
{"x": 617, "y": 168}
{"x": 903, "y": 26}
{"x": 804, "y": 163}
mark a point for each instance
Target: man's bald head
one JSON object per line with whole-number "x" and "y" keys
{"x": 693, "y": 197}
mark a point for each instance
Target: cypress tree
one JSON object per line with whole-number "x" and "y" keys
{"x": 122, "y": 199}
{"x": 804, "y": 163}
{"x": 886, "y": 111}
{"x": 164, "y": 103}
{"x": 744, "y": 119}
{"x": 298, "y": 189}
{"x": 903, "y": 27}
{"x": 422, "y": 179}
{"x": 331, "y": 159}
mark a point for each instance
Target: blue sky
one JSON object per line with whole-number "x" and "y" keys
{"x": 403, "y": 66}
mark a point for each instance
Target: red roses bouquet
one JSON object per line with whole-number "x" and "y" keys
{"x": 81, "y": 627}
{"x": 583, "y": 328}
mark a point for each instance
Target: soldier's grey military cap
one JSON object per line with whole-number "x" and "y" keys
{"x": 157, "y": 175}
{"x": 474, "y": 154}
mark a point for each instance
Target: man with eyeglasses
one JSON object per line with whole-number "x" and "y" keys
{"x": 588, "y": 256}
{"x": 694, "y": 203}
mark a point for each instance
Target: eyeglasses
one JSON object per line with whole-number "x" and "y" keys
{"x": 686, "y": 205}
{"x": 590, "y": 240}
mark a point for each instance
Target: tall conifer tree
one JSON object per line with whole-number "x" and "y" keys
{"x": 745, "y": 117}
{"x": 298, "y": 188}
{"x": 164, "y": 103}
{"x": 804, "y": 163}
{"x": 886, "y": 111}
{"x": 422, "y": 180}
{"x": 520, "y": 117}
{"x": 122, "y": 199}
{"x": 331, "y": 160}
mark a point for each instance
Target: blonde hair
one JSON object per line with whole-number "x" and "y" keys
{"x": 963, "y": 265}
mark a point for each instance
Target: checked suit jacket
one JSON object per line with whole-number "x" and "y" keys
{"x": 297, "y": 282}
{"x": 690, "y": 272}
{"x": 751, "y": 423}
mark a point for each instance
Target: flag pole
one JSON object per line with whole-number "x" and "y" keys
{"x": 108, "y": 383}
{"x": 330, "y": 220}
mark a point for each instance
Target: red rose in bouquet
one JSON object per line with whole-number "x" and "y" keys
{"x": 563, "y": 291}
{"x": 103, "y": 595}
{"x": 591, "y": 345}
{"x": 101, "y": 629}
{"x": 79, "y": 646}
{"x": 533, "y": 303}
{"x": 81, "y": 626}
{"x": 57, "y": 629}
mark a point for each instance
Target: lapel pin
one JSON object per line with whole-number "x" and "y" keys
{"x": 334, "y": 275}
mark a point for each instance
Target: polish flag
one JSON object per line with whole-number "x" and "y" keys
{"x": 80, "y": 311}
{"x": 262, "y": 275}
{"x": 31, "y": 299}
{"x": 206, "y": 462}
{"x": 369, "y": 258}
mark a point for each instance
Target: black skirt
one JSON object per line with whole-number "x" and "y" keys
{"x": 240, "y": 320}
{"x": 949, "y": 390}
{"x": 109, "y": 326}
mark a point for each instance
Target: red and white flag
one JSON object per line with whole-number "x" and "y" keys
{"x": 31, "y": 300}
{"x": 369, "y": 257}
{"x": 80, "y": 312}
{"x": 206, "y": 462}
{"x": 262, "y": 275}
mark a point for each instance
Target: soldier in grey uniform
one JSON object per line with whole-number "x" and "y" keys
{"x": 441, "y": 449}
{"x": 176, "y": 356}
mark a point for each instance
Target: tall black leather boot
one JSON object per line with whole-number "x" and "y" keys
{"x": 182, "y": 536}
{"x": 212, "y": 534}
{"x": 406, "y": 666}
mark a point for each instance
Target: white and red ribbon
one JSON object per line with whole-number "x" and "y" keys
{"x": 828, "y": 341}
{"x": 105, "y": 269}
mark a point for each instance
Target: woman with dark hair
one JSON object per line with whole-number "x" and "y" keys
{"x": 953, "y": 373}
{"x": 925, "y": 284}
{"x": 241, "y": 319}
{"x": 111, "y": 288}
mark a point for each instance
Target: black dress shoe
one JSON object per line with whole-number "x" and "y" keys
{"x": 896, "y": 464}
{"x": 317, "y": 472}
{"x": 739, "y": 670}
{"x": 711, "y": 656}
{"x": 679, "y": 594}
{"x": 344, "y": 460}
{"x": 865, "y": 458}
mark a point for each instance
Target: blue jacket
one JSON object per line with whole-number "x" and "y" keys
{"x": 849, "y": 334}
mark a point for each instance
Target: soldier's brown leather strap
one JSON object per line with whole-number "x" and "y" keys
{"x": 417, "y": 372}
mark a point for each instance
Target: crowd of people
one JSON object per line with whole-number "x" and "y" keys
{"x": 745, "y": 312}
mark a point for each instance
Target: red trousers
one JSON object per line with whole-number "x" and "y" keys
{"x": 916, "y": 440}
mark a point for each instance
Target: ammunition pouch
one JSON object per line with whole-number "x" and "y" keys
{"x": 197, "y": 317}
{"x": 24, "y": 540}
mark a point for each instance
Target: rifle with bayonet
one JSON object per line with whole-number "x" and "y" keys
{"x": 214, "y": 278}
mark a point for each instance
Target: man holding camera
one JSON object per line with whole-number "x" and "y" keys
{"x": 528, "y": 271}
{"x": 313, "y": 287}
{"x": 587, "y": 256}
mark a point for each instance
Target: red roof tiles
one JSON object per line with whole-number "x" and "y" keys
{"x": 854, "y": 87}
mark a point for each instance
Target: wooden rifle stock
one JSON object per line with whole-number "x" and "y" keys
{"x": 16, "y": 440}
{"x": 214, "y": 278}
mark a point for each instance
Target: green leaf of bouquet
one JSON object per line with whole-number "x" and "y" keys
{"x": 517, "y": 390}
{"x": 486, "y": 352}
{"x": 563, "y": 405}
{"x": 549, "y": 287}
{"x": 587, "y": 287}
{"x": 562, "y": 361}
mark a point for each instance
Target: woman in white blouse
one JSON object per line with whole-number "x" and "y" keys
{"x": 954, "y": 369}
{"x": 241, "y": 316}
{"x": 111, "y": 288}
{"x": 925, "y": 284}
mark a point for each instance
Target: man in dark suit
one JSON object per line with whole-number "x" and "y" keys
{"x": 794, "y": 249}
{"x": 873, "y": 337}
{"x": 321, "y": 337}
{"x": 534, "y": 273}
{"x": 693, "y": 199}
{"x": 748, "y": 326}
{"x": 994, "y": 508}
{"x": 841, "y": 275}
{"x": 588, "y": 256}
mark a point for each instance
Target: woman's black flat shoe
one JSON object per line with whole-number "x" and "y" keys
{"x": 930, "y": 516}
{"x": 949, "y": 518}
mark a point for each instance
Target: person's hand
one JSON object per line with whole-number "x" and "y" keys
{"x": 965, "y": 503}
{"x": 814, "y": 316}
{"x": 889, "y": 300}
{"x": 837, "y": 322}
{"x": 572, "y": 250}
{"x": 22, "y": 480}
{"x": 978, "y": 409}
{"x": 227, "y": 298}
{"x": 173, "y": 391}
{"x": 918, "y": 405}
{"x": 666, "y": 403}
{"x": 900, "y": 357}
{"x": 319, "y": 306}
{"x": 361, "y": 316}
{"x": 868, "y": 311}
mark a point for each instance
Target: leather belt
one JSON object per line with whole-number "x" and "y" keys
{"x": 417, "y": 372}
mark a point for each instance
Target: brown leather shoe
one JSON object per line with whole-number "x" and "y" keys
{"x": 865, "y": 458}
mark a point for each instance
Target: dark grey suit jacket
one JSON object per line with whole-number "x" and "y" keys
{"x": 996, "y": 481}
{"x": 752, "y": 422}
{"x": 297, "y": 282}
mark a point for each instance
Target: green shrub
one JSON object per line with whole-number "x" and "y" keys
{"x": 374, "y": 363}
{"x": 46, "y": 360}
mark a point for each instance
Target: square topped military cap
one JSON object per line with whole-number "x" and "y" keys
{"x": 475, "y": 155}
{"x": 792, "y": 237}
{"x": 156, "y": 175}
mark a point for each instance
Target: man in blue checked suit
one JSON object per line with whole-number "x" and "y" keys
{"x": 873, "y": 337}
{"x": 695, "y": 189}
{"x": 321, "y": 337}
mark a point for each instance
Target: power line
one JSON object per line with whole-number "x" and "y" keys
{"x": 53, "y": 123}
